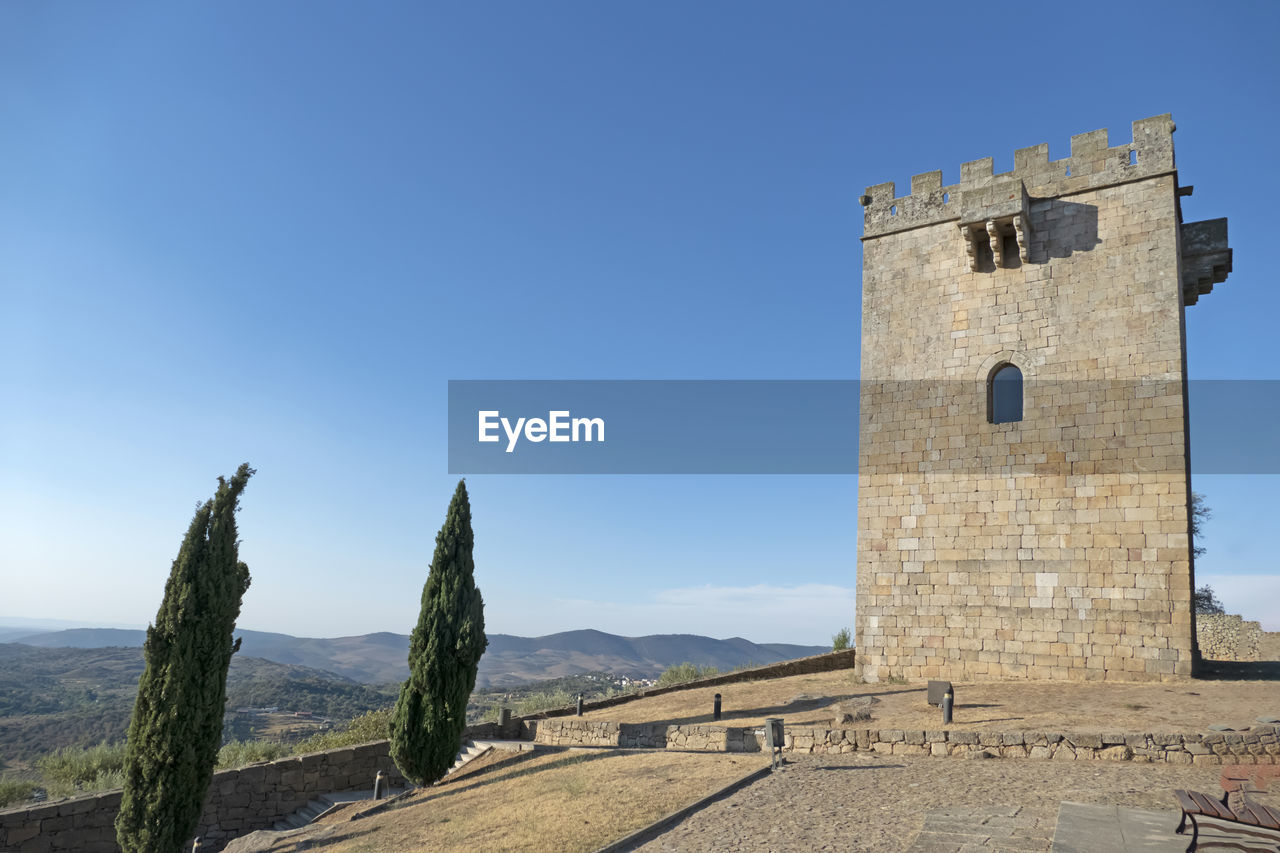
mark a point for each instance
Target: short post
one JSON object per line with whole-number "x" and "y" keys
{"x": 715, "y": 709}
{"x": 380, "y": 785}
{"x": 504, "y": 723}
{"x": 948, "y": 701}
{"x": 579, "y": 704}
{"x": 774, "y": 739}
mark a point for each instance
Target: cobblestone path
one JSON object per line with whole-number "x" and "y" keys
{"x": 867, "y": 802}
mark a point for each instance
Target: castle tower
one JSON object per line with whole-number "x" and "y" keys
{"x": 1023, "y": 488}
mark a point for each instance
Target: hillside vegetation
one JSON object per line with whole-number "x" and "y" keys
{"x": 64, "y": 689}
{"x": 58, "y": 697}
{"x": 54, "y": 698}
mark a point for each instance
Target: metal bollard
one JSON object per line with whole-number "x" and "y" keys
{"x": 774, "y": 740}
{"x": 579, "y": 704}
{"x": 380, "y": 785}
{"x": 715, "y": 709}
{"x": 948, "y": 700}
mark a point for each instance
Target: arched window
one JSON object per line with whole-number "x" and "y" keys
{"x": 1004, "y": 395}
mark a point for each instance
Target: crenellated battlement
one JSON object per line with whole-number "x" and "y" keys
{"x": 1092, "y": 164}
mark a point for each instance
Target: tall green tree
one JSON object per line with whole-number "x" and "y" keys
{"x": 176, "y": 728}
{"x": 444, "y": 652}
{"x": 1207, "y": 603}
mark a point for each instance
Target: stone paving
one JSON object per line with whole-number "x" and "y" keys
{"x": 1003, "y": 828}
{"x": 860, "y": 802}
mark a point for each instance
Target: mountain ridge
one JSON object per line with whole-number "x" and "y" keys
{"x": 381, "y": 657}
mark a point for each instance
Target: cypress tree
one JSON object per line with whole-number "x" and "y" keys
{"x": 176, "y": 729}
{"x": 444, "y": 652}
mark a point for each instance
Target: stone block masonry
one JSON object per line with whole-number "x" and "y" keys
{"x": 239, "y": 801}
{"x": 1055, "y": 545}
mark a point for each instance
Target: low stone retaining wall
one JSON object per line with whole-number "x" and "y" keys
{"x": 560, "y": 732}
{"x": 239, "y": 801}
{"x": 1269, "y": 646}
{"x": 1228, "y": 637}
{"x": 828, "y": 662}
{"x": 1259, "y": 745}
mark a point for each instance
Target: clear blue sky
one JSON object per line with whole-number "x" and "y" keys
{"x": 273, "y": 232}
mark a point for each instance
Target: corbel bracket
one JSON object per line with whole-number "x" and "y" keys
{"x": 989, "y": 214}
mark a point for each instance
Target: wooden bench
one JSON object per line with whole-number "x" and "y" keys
{"x": 1194, "y": 803}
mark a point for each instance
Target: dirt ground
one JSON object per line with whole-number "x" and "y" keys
{"x": 580, "y": 800}
{"x": 555, "y": 801}
{"x": 1185, "y": 706}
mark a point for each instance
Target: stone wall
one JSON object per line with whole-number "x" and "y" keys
{"x": 1229, "y": 637}
{"x": 828, "y": 662}
{"x": 1260, "y": 745}
{"x": 1055, "y": 546}
{"x": 1269, "y": 646}
{"x": 239, "y": 801}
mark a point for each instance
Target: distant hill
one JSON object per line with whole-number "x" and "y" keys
{"x": 381, "y": 658}
{"x": 514, "y": 660}
{"x": 52, "y": 697}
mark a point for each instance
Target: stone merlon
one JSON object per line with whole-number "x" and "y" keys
{"x": 1092, "y": 165}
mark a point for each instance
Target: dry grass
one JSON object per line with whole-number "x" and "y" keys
{"x": 558, "y": 801}
{"x": 1042, "y": 706}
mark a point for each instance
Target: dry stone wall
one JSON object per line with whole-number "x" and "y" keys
{"x": 1229, "y": 637}
{"x": 1259, "y": 745}
{"x": 239, "y": 801}
{"x": 1269, "y": 645}
{"x": 1055, "y": 546}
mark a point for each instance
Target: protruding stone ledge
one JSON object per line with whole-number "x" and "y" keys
{"x": 1206, "y": 257}
{"x": 989, "y": 214}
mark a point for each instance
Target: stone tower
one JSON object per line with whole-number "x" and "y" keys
{"x": 1023, "y": 489}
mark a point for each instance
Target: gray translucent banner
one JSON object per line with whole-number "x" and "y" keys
{"x": 812, "y": 427}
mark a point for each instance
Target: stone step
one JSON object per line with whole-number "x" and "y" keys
{"x": 313, "y": 810}
{"x": 306, "y": 814}
{"x": 469, "y": 750}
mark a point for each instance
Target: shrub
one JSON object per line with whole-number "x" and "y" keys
{"x": 83, "y": 768}
{"x": 841, "y": 640}
{"x": 683, "y": 672}
{"x": 542, "y": 700}
{"x": 369, "y": 726}
{"x": 14, "y": 792}
{"x": 239, "y": 753}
